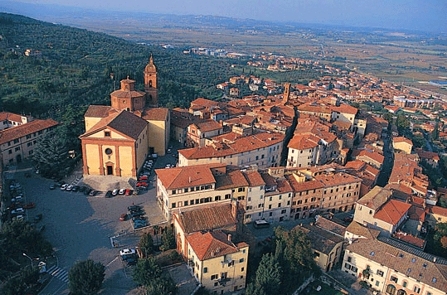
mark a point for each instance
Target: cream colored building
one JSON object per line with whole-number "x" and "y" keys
{"x": 395, "y": 269}
{"x": 18, "y": 143}
{"x": 261, "y": 149}
{"x": 254, "y": 205}
{"x": 188, "y": 187}
{"x": 218, "y": 264}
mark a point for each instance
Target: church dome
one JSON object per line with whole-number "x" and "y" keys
{"x": 150, "y": 67}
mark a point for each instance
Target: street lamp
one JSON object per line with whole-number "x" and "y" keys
{"x": 30, "y": 259}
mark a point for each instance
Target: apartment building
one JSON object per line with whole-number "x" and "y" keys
{"x": 254, "y": 205}
{"x": 218, "y": 264}
{"x": 198, "y": 132}
{"x": 376, "y": 209}
{"x": 402, "y": 144}
{"x": 189, "y": 187}
{"x": 392, "y": 268}
{"x": 260, "y": 149}
{"x": 277, "y": 198}
{"x": 307, "y": 195}
{"x": 18, "y": 143}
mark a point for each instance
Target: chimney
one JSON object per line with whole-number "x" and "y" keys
{"x": 189, "y": 179}
{"x": 229, "y": 238}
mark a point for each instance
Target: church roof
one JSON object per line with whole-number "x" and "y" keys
{"x": 123, "y": 122}
{"x": 150, "y": 67}
{"x": 97, "y": 111}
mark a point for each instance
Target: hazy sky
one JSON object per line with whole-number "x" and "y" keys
{"x": 399, "y": 14}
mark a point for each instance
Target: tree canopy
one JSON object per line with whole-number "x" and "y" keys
{"x": 86, "y": 277}
{"x": 149, "y": 274}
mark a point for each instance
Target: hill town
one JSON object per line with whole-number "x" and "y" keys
{"x": 345, "y": 143}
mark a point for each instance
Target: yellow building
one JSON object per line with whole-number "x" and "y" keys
{"x": 218, "y": 264}
{"x": 403, "y": 144}
{"x": 116, "y": 145}
{"x": 158, "y": 129}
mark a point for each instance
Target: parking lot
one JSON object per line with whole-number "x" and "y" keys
{"x": 81, "y": 226}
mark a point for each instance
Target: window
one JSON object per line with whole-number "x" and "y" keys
{"x": 241, "y": 260}
{"x": 380, "y": 273}
{"x": 390, "y": 289}
{"x": 205, "y": 269}
{"x": 394, "y": 279}
{"x": 214, "y": 277}
{"x": 349, "y": 258}
{"x": 173, "y": 205}
{"x": 16, "y": 141}
{"x": 10, "y": 152}
{"x": 17, "y": 149}
{"x": 405, "y": 284}
{"x": 417, "y": 289}
{"x": 242, "y": 269}
{"x": 106, "y": 133}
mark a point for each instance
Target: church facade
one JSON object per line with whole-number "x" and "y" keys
{"x": 118, "y": 138}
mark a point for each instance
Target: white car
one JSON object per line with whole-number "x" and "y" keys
{"x": 115, "y": 192}
{"x": 127, "y": 251}
{"x": 122, "y": 191}
{"x": 64, "y": 186}
{"x": 18, "y": 211}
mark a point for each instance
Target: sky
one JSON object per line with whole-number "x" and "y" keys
{"x": 424, "y": 15}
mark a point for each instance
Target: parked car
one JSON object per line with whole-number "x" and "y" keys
{"x": 127, "y": 251}
{"x": 143, "y": 177}
{"x": 30, "y": 205}
{"x": 87, "y": 191}
{"x": 69, "y": 187}
{"x": 64, "y": 186}
{"x": 123, "y": 217}
{"x": 122, "y": 191}
{"x": 128, "y": 192}
{"x": 18, "y": 211}
{"x": 75, "y": 188}
{"x": 134, "y": 207}
{"x": 52, "y": 186}
{"x": 92, "y": 193}
{"x": 349, "y": 218}
{"x": 142, "y": 183}
{"x": 109, "y": 194}
{"x": 115, "y": 192}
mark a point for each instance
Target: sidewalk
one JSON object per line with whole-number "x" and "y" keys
{"x": 349, "y": 282}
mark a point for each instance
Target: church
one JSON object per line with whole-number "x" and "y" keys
{"x": 118, "y": 138}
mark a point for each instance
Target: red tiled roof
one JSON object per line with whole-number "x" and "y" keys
{"x": 17, "y": 132}
{"x": 10, "y": 117}
{"x": 156, "y": 114}
{"x": 210, "y": 244}
{"x": 392, "y": 211}
{"x": 233, "y": 146}
{"x": 207, "y": 218}
{"x": 254, "y": 178}
{"x": 97, "y": 111}
{"x": 208, "y": 125}
{"x": 188, "y": 176}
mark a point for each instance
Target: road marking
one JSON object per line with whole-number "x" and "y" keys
{"x": 59, "y": 273}
{"x": 112, "y": 261}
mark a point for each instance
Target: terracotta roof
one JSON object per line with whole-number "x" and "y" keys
{"x": 208, "y": 125}
{"x": 17, "y": 132}
{"x": 188, "y": 176}
{"x": 97, "y": 111}
{"x": 321, "y": 240}
{"x": 10, "y": 117}
{"x": 231, "y": 179}
{"x": 375, "y": 198}
{"x": 210, "y": 244}
{"x": 254, "y": 178}
{"x": 235, "y": 146}
{"x": 204, "y": 102}
{"x": 156, "y": 114}
{"x": 411, "y": 262}
{"x": 363, "y": 231}
{"x": 335, "y": 179}
{"x": 437, "y": 210}
{"x": 345, "y": 109}
{"x": 207, "y": 218}
{"x": 329, "y": 225}
{"x": 303, "y": 141}
{"x": 402, "y": 139}
{"x": 392, "y": 211}
{"x": 372, "y": 155}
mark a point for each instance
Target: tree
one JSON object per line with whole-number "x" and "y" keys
{"x": 268, "y": 277}
{"x": 149, "y": 274}
{"x": 167, "y": 239}
{"x": 294, "y": 254}
{"x": 146, "y": 244}
{"x": 86, "y": 277}
{"x": 26, "y": 278}
{"x": 403, "y": 124}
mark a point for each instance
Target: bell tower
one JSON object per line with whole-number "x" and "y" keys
{"x": 150, "y": 83}
{"x": 286, "y": 95}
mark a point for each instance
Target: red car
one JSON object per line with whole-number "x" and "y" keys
{"x": 30, "y": 205}
{"x": 142, "y": 183}
{"x": 128, "y": 192}
{"x": 143, "y": 177}
{"x": 123, "y": 217}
